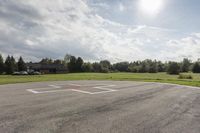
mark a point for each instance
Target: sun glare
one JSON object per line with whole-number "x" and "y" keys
{"x": 151, "y": 7}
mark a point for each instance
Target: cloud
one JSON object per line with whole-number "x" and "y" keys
{"x": 37, "y": 29}
{"x": 187, "y": 47}
{"x": 121, "y": 7}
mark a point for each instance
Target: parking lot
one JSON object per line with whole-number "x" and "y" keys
{"x": 99, "y": 107}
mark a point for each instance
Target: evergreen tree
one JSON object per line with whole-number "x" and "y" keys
{"x": 185, "y": 65}
{"x": 1, "y": 64}
{"x": 46, "y": 61}
{"x": 8, "y": 66}
{"x": 196, "y": 67}
{"x": 59, "y": 62}
{"x": 79, "y": 63}
{"x": 14, "y": 64}
{"x": 72, "y": 64}
{"x": 21, "y": 65}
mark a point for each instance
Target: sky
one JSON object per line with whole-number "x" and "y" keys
{"x": 116, "y": 30}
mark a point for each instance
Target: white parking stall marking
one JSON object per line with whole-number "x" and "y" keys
{"x": 102, "y": 87}
{"x": 33, "y": 91}
{"x": 55, "y": 86}
{"x": 105, "y": 87}
{"x": 86, "y": 92}
{"x": 75, "y": 85}
{"x": 40, "y": 92}
{"x": 100, "y": 92}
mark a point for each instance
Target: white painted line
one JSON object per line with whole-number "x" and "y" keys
{"x": 75, "y": 84}
{"x": 93, "y": 93}
{"x": 33, "y": 91}
{"x": 55, "y": 86}
{"x": 61, "y": 84}
{"x": 103, "y": 87}
{"x": 192, "y": 87}
{"x": 40, "y": 92}
{"x": 51, "y": 91}
{"x": 86, "y": 92}
{"x": 106, "y": 90}
{"x": 103, "y": 92}
{"x": 46, "y": 88}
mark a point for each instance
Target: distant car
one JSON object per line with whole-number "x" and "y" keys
{"x": 23, "y": 73}
{"x": 20, "y": 73}
{"x": 34, "y": 73}
{"x": 16, "y": 73}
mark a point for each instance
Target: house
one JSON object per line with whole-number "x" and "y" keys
{"x": 47, "y": 68}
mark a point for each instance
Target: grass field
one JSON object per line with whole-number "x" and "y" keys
{"x": 147, "y": 77}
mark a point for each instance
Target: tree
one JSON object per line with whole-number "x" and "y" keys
{"x": 87, "y": 67}
{"x": 173, "y": 68}
{"x": 196, "y": 67}
{"x": 21, "y": 65}
{"x": 142, "y": 67}
{"x": 153, "y": 68}
{"x": 161, "y": 67}
{"x": 58, "y": 62}
{"x": 134, "y": 66}
{"x": 72, "y": 64}
{"x": 67, "y": 59}
{"x": 105, "y": 66}
{"x": 46, "y": 61}
{"x": 8, "y": 66}
{"x": 1, "y": 64}
{"x": 79, "y": 63}
{"x": 96, "y": 67}
{"x": 185, "y": 65}
{"x": 121, "y": 66}
{"x": 13, "y": 63}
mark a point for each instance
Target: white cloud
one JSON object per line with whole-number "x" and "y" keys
{"x": 37, "y": 29}
{"x": 121, "y": 7}
{"x": 187, "y": 47}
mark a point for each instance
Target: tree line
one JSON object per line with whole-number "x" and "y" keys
{"x": 77, "y": 64}
{"x": 10, "y": 65}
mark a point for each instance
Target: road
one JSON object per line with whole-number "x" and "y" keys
{"x": 99, "y": 107}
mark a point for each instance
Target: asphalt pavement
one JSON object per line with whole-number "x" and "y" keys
{"x": 99, "y": 107}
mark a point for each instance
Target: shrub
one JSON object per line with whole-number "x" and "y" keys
{"x": 104, "y": 70}
{"x": 184, "y": 76}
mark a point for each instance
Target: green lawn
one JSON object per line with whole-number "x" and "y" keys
{"x": 147, "y": 77}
